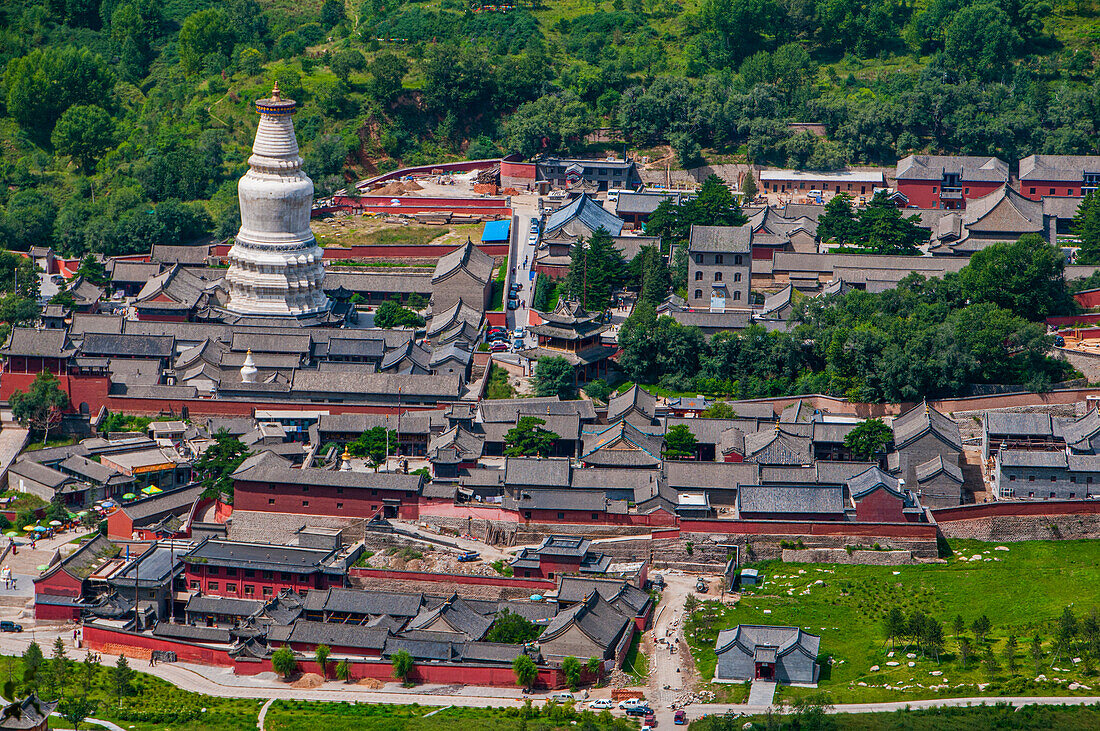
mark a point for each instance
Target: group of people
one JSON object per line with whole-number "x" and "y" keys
{"x": 8, "y": 578}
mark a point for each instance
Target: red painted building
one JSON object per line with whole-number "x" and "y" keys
{"x": 58, "y": 591}
{"x": 241, "y": 570}
{"x": 948, "y": 181}
{"x": 1074, "y": 176}
{"x": 266, "y": 482}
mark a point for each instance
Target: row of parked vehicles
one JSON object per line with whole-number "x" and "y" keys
{"x": 498, "y": 339}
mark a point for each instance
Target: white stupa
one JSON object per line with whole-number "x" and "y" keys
{"x": 275, "y": 266}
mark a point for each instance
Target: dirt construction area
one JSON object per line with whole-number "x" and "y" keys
{"x": 384, "y": 230}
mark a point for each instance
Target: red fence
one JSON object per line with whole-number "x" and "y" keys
{"x": 1017, "y": 509}
{"x": 536, "y": 585}
{"x": 135, "y": 645}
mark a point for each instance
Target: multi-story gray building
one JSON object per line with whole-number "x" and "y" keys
{"x": 1059, "y": 475}
{"x": 719, "y": 267}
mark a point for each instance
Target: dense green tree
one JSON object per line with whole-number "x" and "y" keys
{"x": 554, "y": 122}
{"x": 513, "y": 629}
{"x": 894, "y": 625}
{"x": 981, "y": 627}
{"x": 93, "y": 270}
{"x": 33, "y": 659}
{"x": 596, "y": 270}
{"x": 373, "y": 444}
{"x": 28, "y": 220}
{"x": 882, "y": 228}
{"x": 204, "y": 35}
{"x": 680, "y": 442}
{"x": 649, "y": 267}
{"x": 284, "y": 662}
{"x": 47, "y": 81}
{"x": 387, "y": 71}
{"x": 321, "y": 654}
{"x": 77, "y": 709}
{"x": 838, "y": 221}
{"x": 554, "y": 376}
{"x": 525, "y": 670}
{"x": 391, "y": 314}
{"x": 343, "y": 670}
{"x": 40, "y": 406}
{"x": 84, "y": 132}
{"x": 402, "y": 663}
{"x": 571, "y": 668}
{"x": 218, "y": 462}
{"x": 1025, "y": 277}
{"x": 868, "y": 439}
{"x": 528, "y": 438}
{"x": 1086, "y": 227}
{"x": 122, "y": 679}
{"x": 981, "y": 40}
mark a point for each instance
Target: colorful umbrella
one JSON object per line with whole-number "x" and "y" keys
{"x": 56, "y": 523}
{"x": 29, "y": 527}
{"x": 42, "y": 566}
{"x": 82, "y": 513}
{"x": 129, "y": 496}
{"x": 109, "y": 503}
{"x": 151, "y": 490}
{"x": 12, "y": 533}
{"x": 40, "y": 528}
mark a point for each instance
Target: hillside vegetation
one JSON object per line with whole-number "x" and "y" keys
{"x": 127, "y": 122}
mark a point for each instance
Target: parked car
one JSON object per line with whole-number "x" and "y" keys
{"x": 498, "y": 347}
{"x": 680, "y": 719}
{"x": 638, "y": 711}
{"x": 513, "y": 305}
{"x": 468, "y": 556}
{"x": 57, "y": 279}
{"x": 601, "y": 703}
{"x": 7, "y": 626}
{"x": 630, "y": 703}
{"x": 562, "y": 696}
{"x": 650, "y": 719}
{"x": 498, "y": 335}
{"x": 518, "y": 332}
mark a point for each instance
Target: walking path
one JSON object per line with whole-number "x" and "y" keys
{"x": 263, "y": 713}
{"x": 761, "y": 694}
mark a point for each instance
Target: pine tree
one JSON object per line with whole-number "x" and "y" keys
{"x": 1010, "y": 653}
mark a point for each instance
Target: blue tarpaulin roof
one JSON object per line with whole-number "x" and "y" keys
{"x": 496, "y": 230}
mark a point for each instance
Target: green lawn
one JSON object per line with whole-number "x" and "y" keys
{"x": 35, "y": 444}
{"x": 636, "y": 662}
{"x": 1063, "y": 718}
{"x": 1023, "y": 591}
{"x": 308, "y": 716}
{"x": 496, "y": 301}
{"x": 23, "y": 501}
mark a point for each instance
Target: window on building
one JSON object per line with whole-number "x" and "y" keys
{"x": 339, "y": 491}
{"x": 268, "y": 574}
{"x": 195, "y": 586}
{"x": 719, "y": 259}
{"x": 268, "y": 591}
{"x": 1031, "y": 478}
{"x": 230, "y": 588}
{"x": 1088, "y": 480}
{"x": 374, "y": 492}
{"x": 933, "y": 189}
{"x": 718, "y": 276}
{"x": 305, "y": 503}
{"x": 1072, "y": 495}
{"x": 1052, "y": 493}
{"x": 561, "y": 516}
{"x": 737, "y": 259}
{"x": 211, "y": 586}
{"x": 305, "y": 488}
{"x": 284, "y": 575}
{"x": 698, "y": 293}
{"x": 1073, "y": 478}
{"x": 527, "y": 515}
{"x": 737, "y": 295}
{"x": 339, "y": 506}
{"x": 271, "y": 501}
{"x": 249, "y": 590}
{"x": 212, "y": 570}
{"x": 231, "y": 571}
{"x": 698, "y": 276}
{"x": 1052, "y": 193}
{"x": 1012, "y": 478}
{"x": 1069, "y": 191}
{"x": 249, "y": 573}
{"x": 698, "y": 258}
{"x": 737, "y": 276}
{"x": 595, "y": 516}
{"x": 1033, "y": 191}
{"x": 1031, "y": 493}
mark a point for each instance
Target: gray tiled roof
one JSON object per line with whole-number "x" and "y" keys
{"x": 589, "y": 212}
{"x": 922, "y": 419}
{"x": 790, "y": 499}
{"x": 192, "y": 633}
{"x": 1018, "y": 424}
{"x": 721, "y": 239}
{"x": 145, "y": 346}
{"x": 970, "y": 168}
{"x": 634, "y": 398}
{"x": 48, "y": 476}
{"x": 1061, "y": 168}
{"x": 335, "y": 634}
{"x": 457, "y": 614}
{"x": 38, "y": 343}
{"x": 266, "y": 556}
{"x": 154, "y": 507}
{"x": 508, "y": 409}
{"x": 1077, "y": 433}
{"x": 936, "y": 465}
{"x": 869, "y": 480}
{"x": 468, "y": 257}
{"x": 267, "y": 467}
{"x": 358, "y": 601}
{"x": 782, "y": 639}
{"x": 551, "y": 472}
{"x": 720, "y": 475}
{"x": 1026, "y": 458}
{"x": 597, "y": 619}
{"x": 202, "y": 604}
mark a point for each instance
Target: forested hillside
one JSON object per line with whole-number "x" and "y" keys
{"x": 127, "y": 122}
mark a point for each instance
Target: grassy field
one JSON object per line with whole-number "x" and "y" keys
{"x": 375, "y": 231}
{"x": 636, "y": 662}
{"x": 1064, "y": 718}
{"x": 496, "y": 301}
{"x": 306, "y": 716}
{"x": 1022, "y": 591}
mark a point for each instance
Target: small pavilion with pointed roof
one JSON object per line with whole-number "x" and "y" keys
{"x": 573, "y": 333}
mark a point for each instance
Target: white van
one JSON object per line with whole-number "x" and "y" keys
{"x": 562, "y": 697}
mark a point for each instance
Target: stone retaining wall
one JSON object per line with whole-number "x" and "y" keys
{"x": 840, "y": 555}
{"x": 1006, "y": 528}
